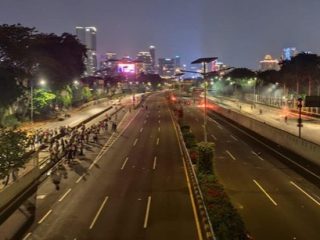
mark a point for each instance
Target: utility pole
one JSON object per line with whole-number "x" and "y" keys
{"x": 31, "y": 100}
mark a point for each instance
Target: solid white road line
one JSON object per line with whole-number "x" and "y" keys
{"x": 196, "y": 218}
{"x": 154, "y": 162}
{"x": 141, "y": 129}
{"x": 272, "y": 149}
{"x": 135, "y": 142}
{"x": 41, "y": 196}
{"x": 230, "y": 155}
{"x": 308, "y": 195}
{"x": 98, "y": 213}
{"x": 265, "y": 192}
{"x": 124, "y": 163}
{"x": 213, "y": 136}
{"x": 64, "y": 195}
{"x": 234, "y": 137}
{"x": 111, "y": 141}
{"x": 145, "y": 224}
{"x": 254, "y": 153}
{"x": 80, "y": 178}
{"x": 26, "y": 237}
{"x": 158, "y": 141}
{"x": 45, "y": 216}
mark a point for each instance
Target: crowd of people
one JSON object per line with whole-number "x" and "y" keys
{"x": 69, "y": 142}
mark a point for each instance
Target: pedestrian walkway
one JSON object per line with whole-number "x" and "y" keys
{"x": 279, "y": 118}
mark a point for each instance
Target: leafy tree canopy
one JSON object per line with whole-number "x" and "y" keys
{"x": 241, "y": 73}
{"x": 10, "y": 88}
{"x": 13, "y": 145}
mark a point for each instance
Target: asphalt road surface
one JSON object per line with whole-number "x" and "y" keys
{"x": 274, "y": 201}
{"x": 135, "y": 189}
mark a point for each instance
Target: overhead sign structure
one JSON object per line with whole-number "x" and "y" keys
{"x": 312, "y": 101}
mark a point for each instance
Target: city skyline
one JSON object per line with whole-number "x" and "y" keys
{"x": 238, "y": 35}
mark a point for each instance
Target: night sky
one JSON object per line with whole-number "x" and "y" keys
{"x": 239, "y": 32}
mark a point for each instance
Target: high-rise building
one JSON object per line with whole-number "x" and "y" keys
{"x": 152, "y": 50}
{"x": 108, "y": 64}
{"x": 111, "y": 56}
{"x": 288, "y": 53}
{"x": 87, "y": 36}
{"x": 177, "y": 62}
{"x": 145, "y": 59}
{"x": 268, "y": 63}
{"x": 167, "y": 67}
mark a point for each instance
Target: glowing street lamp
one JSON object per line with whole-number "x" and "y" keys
{"x": 204, "y": 62}
{"x": 42, "y": 82}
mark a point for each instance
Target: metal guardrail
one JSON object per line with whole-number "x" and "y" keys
{"x": 197, "y": 193}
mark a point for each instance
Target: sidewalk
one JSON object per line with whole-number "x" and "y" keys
{"x": 276, "y": 118}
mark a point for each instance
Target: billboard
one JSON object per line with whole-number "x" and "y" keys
{"x": 126, "y": 68}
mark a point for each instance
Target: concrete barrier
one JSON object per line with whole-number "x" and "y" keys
{"x": 302, "y": 147}
{"x": 13, "y": 190}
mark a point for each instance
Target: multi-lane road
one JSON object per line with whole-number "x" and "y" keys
{"x": 274, "y": 201}
{"x": 135, "y": 188}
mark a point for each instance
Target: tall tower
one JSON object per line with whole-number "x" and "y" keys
{"x": 87, "y": 36}
{"x": 152, "y": 50}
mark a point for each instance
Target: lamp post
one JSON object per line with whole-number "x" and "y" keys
{"x": 178, "y": 75}
{"x": 204, "y": 62}
{"x": 204, "y": 73}
{"x": 42, "y": 83}
{"x": 300, "y": 119}
{"x": 31, "y": 100}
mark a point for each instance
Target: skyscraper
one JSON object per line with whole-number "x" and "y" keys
{"x": 152, "y": 50}
{"x": 145, "y": 59}
{"x": 167, "y": 67}
{"x": 177, "y": 62}
{"x": 87, "y": 36}
{"x": 288, "y": 53}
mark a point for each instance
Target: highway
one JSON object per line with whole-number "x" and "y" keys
{"x": 274, "y": 201}
{"x": 135, "y": 188}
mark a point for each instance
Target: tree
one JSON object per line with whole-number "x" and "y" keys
{"x": 42, "y": 101}
{"x": 241, "y": 77}
{"x": 15, "y": 44}
{"x": 10, "y": 89}
{"x": 60, "y": 58}
{"x": 86, "y": 93}
{"x": 13, "y": 145}
{"x": 206, "y": 154}
{"x": 302, "y": 72}
{"x": 32, "y": 55}
{"x": 241, "y": 73}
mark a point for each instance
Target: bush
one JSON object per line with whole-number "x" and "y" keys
{"x": 185, "y": 128}
{"x": 206, "y": 154}
{"x": 10, "y": 121}
{"x": 226, "y": 221}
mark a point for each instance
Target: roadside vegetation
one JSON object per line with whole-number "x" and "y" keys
{"x": 226, "y": 221}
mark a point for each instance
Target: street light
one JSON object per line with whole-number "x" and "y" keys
{"x": 178, "y": 75}
{"x": 42, "y": 82}
{"x": 204, "y": 62}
